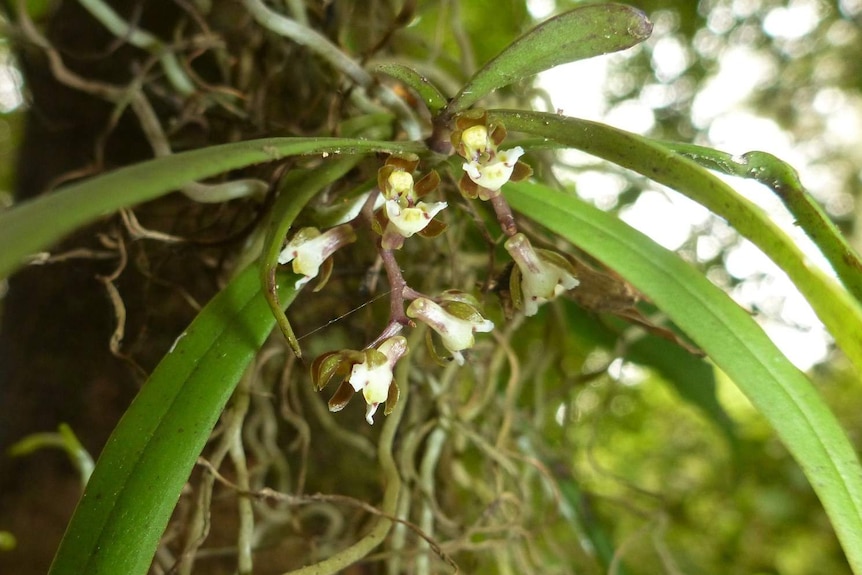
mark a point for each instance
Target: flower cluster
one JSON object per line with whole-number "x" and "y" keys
{"x": 369, "y": 371}
{"x": 487, "y": 167}
{"x": 539, "y": 275}
{"x": 455, "y": 318}
{"x": 403, "y": 213}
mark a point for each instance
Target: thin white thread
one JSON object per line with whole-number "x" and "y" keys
{"x": 344, "y": 315}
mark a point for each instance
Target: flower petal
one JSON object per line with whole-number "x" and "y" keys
{"x": 341, "y": 397}
{"x": 308, "y": 249}
{"x": 408, "y": 221}
{"x": 494, "y": 174}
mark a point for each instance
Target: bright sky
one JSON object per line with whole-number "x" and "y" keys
{"x": 578, "y": 89}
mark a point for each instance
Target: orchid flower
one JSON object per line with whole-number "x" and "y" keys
{"x": 539, "y": 275}
{"x": 455, "y": 319}
{"x": 309, "y": 249}
{"x": 404, "y": 214}
{"x": 487, "y": 167}
{"x": 369, "y": 371}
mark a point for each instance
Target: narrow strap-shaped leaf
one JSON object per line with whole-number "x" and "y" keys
{"x": 782, "y": 179}
{"x": 36, "y": 224}
{"x": 840, "y": 312}
{"x": 149, "y": 456}
{"x": 431, "y": 96}
{"x": 730, "y": 337}
{"x": 584, "y": 32}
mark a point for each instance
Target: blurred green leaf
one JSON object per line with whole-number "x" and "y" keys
{"x": 431, "y": 96}
{"x": 731, "y": 338}
{"x": 692, "y": 377}
{"x": 584, "y": 520}
{"x": 36, "y": 224}
{"x": 64, "y": 439}
{"x": 586, "y": 31}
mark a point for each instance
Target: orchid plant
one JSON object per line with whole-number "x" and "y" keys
{"x": 427, "y": 165}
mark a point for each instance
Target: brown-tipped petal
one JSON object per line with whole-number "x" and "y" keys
{"x": 383, "y": 175}
{"x": 427, "y": 184}
{"x": 341, "y": 397}
{"x": 379, "y": 221}
{"x": 432, "y": 349}
{"x": 469, "y": 189}
{"x": 497, "y": 134}
{"x": 558, "y": 260}
{"x": 433, "y": 229}
{"x": 455, "y": 139}
{"x": 522, "y": 171}
{"x": 470, "y": 118}
{"x": 406, "y": 162}
{"x": 460, "y": 296}
{"x": 392, "y": 398}
{"x": 463, "y": 311}
{"x": 325, "y": 366}
{"x": 323, "y": 274}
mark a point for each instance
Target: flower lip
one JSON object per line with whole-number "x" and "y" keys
{"x": 373, "y": 376}
{"x": 410, "y": 220}
{"x": 493, "y": 174}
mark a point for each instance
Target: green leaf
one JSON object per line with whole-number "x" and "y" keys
{"x": 149, "y": 456}
{"x": 730, "y": 337}
{"x": 431, "y": 96}
{"x": 782, "y": 179}
{"x": 36, "y": 224}
{"x": 586, "y": 31}
{"x": 839, "y": 312}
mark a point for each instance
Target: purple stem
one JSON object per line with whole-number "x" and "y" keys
{"x": 399, "y": 288}
{"x": 367, "y": 212}
{"x": 397, "y": 318}
{"x": 504, "y": 215}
